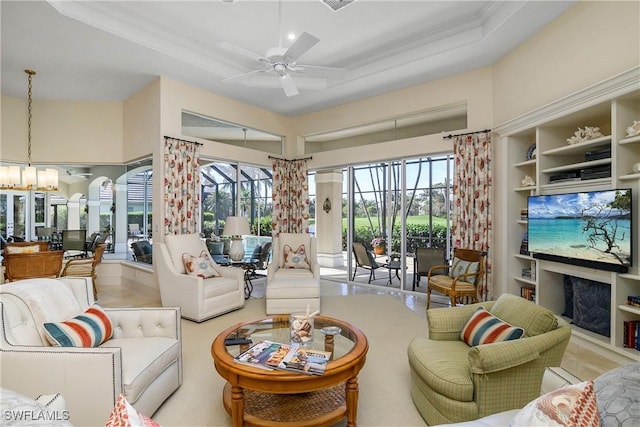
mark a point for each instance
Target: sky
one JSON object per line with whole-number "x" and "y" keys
{"x": 551, "y": 206}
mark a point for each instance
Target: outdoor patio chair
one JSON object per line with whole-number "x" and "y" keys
{"x": 142, "y": 251}
{"x": 364, "y": 259}
{"x": 425, "y": 259}
{"x": 262, "y": 259}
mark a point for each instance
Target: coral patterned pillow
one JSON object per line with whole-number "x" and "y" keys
{"x": 485, "y": 328}
{"x": 89, "y": 329}
{"x": 201, "y": 266}
{"x": 125, "y": 415}
{"x": 573, "y": 405}
{"x": 295, "y": 259}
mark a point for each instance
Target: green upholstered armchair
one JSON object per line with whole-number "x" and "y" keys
{"x": 452, "y": 382}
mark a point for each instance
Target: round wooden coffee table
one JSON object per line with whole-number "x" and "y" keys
{"x": 257, "y": 397}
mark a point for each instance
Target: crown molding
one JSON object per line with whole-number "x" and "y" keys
{"x": 606, "y": 90}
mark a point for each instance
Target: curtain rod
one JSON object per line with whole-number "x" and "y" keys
{"x": 280, "y": 158}
{"x": 183, "y": 140}
{"x": 468, "y": 133}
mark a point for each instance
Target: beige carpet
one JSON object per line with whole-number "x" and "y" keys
{"x": 384, "y": 380}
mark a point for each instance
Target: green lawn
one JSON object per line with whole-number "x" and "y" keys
{"x": 418, "y": 219}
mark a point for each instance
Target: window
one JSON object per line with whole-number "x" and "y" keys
{"x": 405, "y": 202}
{"x": 233, "y": 189}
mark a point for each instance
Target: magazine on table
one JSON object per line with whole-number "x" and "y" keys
{"x": 305, "y": 360}
{"x": 271, "y": 355}
{"x": 263, "y": 355}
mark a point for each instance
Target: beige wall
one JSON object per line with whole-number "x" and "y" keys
{"x": 177, "y": 96}
{"x": 474, "y": 88}
{"x": 590, "y": 42}
{"x": 142, "y": 123}
{"x": 62, "y": 131}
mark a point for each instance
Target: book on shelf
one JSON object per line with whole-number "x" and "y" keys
{"x": 528, "y": 293}
{"x": 270, "y": 355}
{"x": 633, "y": 300}
{"x": 630, "y": 334}
{"x": 524, "y": 246}
{"x": 305, "y": 360}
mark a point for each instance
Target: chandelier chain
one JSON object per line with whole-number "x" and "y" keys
{"x": 30, "y": 74}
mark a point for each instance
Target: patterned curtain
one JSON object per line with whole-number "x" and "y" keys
{"x": 472, "y": 197}
{"x": 181, "y": 186}
{"x": 290, "y": 191}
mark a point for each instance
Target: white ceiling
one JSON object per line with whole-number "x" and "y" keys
{"x": 108, "y": 50}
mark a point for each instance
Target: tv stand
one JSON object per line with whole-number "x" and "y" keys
{"x": 608, "y": 160}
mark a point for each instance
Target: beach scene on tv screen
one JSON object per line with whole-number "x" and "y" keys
{"x": 594, "y": 226}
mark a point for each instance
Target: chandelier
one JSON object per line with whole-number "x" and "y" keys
{"x": 29, "y": 178}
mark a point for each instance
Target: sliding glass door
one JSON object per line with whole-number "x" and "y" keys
{"x": 397, "y": 206}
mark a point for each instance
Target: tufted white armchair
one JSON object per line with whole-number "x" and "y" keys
{"x": 199, "y": 299}
{"x": 291, "y": 288}
{"x": 143, "y": 359}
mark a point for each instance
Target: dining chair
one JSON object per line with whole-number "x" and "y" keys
{"x": 74, "y": 243}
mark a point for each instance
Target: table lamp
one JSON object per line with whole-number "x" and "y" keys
{"x": 236, "y": 227}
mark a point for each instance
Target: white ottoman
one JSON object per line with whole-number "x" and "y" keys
{"x": 291, "y": 295}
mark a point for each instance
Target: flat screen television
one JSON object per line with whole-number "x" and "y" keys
{"x": 590, "y": 229}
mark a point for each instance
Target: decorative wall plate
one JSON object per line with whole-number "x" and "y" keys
{"x": 531, "y": 152}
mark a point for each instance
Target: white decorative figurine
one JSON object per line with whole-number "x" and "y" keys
{"x": 528, "y": 181}
{"x": 585, "y": 134}
{"x": 634, "y": 129}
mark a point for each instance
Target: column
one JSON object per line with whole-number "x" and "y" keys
{"x": 329, "y": 219}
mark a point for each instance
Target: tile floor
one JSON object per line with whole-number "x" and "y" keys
{"x": 580, "y": 361}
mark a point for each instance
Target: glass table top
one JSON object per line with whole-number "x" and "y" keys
{"x": 328, "y": 334}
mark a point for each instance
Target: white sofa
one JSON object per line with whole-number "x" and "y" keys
{"x": 617, "y": 396}
{"x": 291, "y": 289}
{"x": 199, "y": 299}
{"x": 143, "y": 359}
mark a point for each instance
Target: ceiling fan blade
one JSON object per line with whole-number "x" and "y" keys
{"x": 302, "y": 44}
{"x": 242, "y": 51}
{"x": 288, "y": 85}
{"x": 243, "y": 75}
{"x": 319, "y": 71}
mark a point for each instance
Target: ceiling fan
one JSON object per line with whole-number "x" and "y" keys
{"x": 280, "y": 64}
{"x": 78, "y": 173}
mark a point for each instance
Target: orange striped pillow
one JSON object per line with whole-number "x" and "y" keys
{"x": 89, "y": 329}
{"x": 485, "y": 328}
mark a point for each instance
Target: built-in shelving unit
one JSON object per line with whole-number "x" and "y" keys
{"x": 612, "y": 106}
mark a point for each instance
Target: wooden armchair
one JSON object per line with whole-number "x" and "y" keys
{"x": 459, "y": 280}
{"x": 85, "y": 267}
{"x": 25, "y": 260}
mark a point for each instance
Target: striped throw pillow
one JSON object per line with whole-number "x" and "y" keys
{"x": 89, "y": 329}
{"x": 485, "y": 328}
